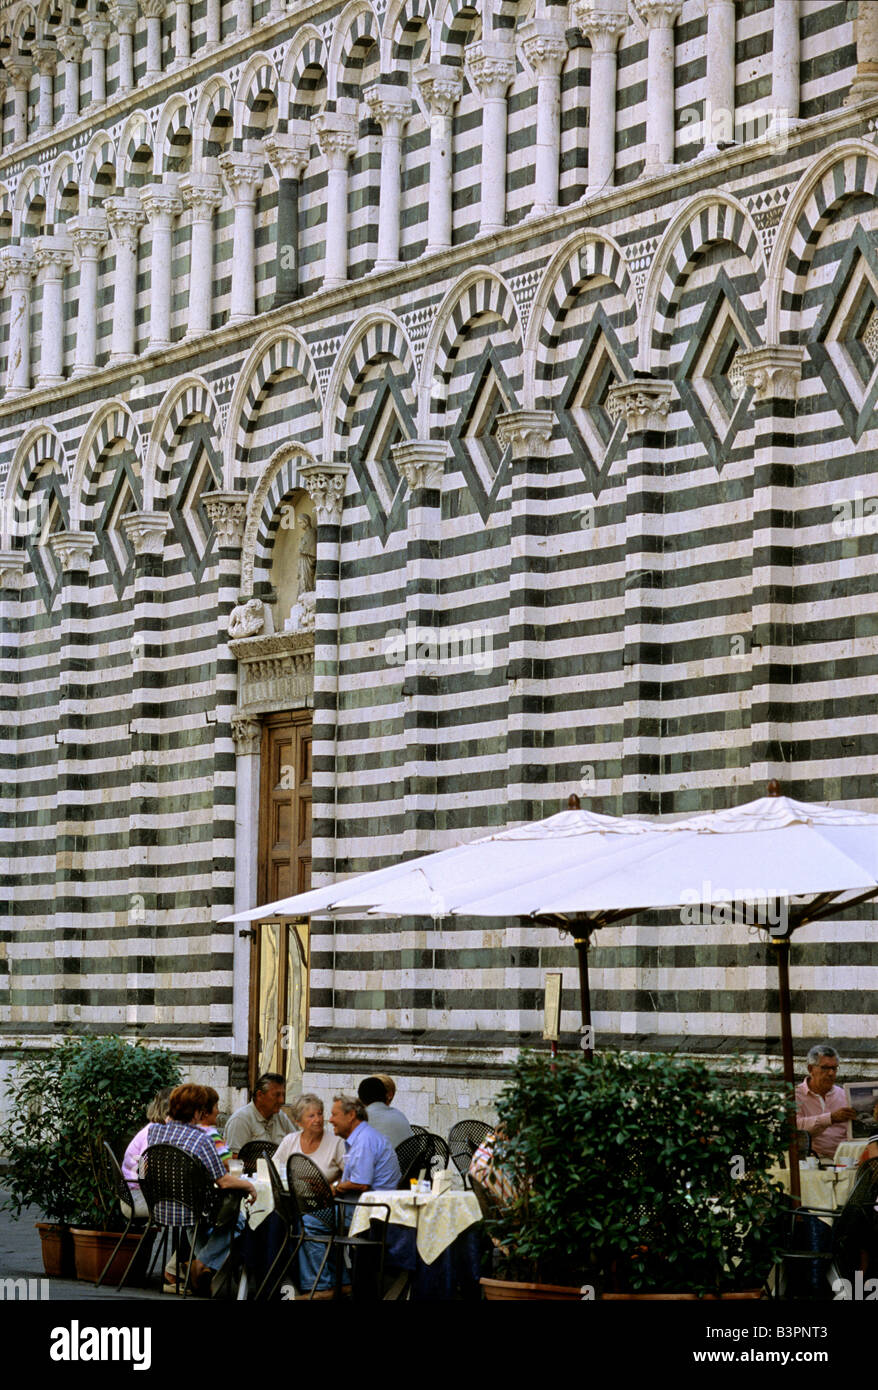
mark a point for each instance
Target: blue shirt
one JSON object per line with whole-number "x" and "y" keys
{"x": 370, "y": 1160}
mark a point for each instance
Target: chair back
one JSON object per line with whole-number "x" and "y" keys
{"x": 488, "y": 1201}
{"x": 253, "y": 1150}
{"x": 285, "y": 1203}
{"x": 311, "y": 1191}
{"x": 116, "y": 1179}
{"x": 463, "y": 1140}
{"x": 177, "y": 1188}
{"x": 422, "y": 1153}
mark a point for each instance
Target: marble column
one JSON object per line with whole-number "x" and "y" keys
{"x": 243, "y": 17}
{"x": 98, "y": 32}
{"x": 785, "y": 62}
{"x": 325, "y": 486}
{"x": 441, "y": 87}
{"x": 125, "y": 218}
{"x": 865, "y": 81}
{"x": 528, "y": 434}
{"x": 89, "y": 235}
{"x": 152, "y": 11}
{"x": 660, "y": 16}
{"x": 242, "y": 175}
{"x": 18, "y": 267}
{"x": 719, "y": 106}
{"x": 603, "y": 25}
{"x": 123, "y": 14}
{"x": 45, "y": 62}
{"x": 288, "y": 157}
{"x": 337, "y": 135}
{"x": 202, "y": 195}
{"x": 71, "y": 47}
{"x": 391, "y": 107}
{"x": 54, "y": 256}
{"x": 4, "y": 86}
{"x": 20, "y": 70}
{"x": 490, "y": 65}
{"x": 645, "y": 404}
{"x": 213, "y": 25}
{"x": 773, "y": 374}
{"x": 162, "y": 206}
{"x": 182, "y": 33}
{"x": 544, "y": 44}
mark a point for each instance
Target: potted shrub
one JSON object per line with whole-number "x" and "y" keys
{"x": 86, "y": 1091}
{"x": 638, "y": 1175}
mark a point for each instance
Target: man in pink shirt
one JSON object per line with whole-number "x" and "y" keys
{"x": 820, "y": 1103}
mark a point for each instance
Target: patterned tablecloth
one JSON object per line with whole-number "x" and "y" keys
{"x": 438, "y": 1220}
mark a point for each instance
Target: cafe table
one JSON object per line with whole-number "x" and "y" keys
{"x": 432, "y": 1235}
{"x": 825, "y": 1188}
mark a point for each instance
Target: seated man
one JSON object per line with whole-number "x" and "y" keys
{"x": 820, "y": 1103}
{"x": 370, "y": 1161}
{"x": 262, "y": 1118}
{"x": 382, "y": 1116}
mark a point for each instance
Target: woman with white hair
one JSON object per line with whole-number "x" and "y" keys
{"x": 313, "y": 1140}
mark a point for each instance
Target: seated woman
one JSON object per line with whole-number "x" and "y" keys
{"x": 855, "y": 1230}
{"x": 156, "y": 1114}
{"x": 187, "y": 1107}
{"x": 327, "y": 1152}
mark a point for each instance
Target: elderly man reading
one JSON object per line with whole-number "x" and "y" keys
{"x": 820, "y": 1103}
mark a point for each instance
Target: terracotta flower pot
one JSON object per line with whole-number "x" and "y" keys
{"x": 93, "y": 1249}
{"x": 57, "y": 1243}
{"x": 505, "y": 1289}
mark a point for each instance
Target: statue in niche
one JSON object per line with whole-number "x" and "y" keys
{"x": 307, "y": 575}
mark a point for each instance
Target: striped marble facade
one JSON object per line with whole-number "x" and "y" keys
{"x": 592, "y": 480}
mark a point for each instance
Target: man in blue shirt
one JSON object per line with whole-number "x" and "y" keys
{"x": 370, "y": 1161}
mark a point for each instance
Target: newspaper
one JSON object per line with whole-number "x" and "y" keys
{"x": 862, "y": 1096}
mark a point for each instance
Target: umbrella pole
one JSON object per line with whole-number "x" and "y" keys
{"x": 581, "y": 944}
{"x": 782, "y": 946}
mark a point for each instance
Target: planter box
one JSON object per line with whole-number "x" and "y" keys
{"x": 57, "y": 1243}
{"x": 93, "y": 1249}
{"x": 497, "y": 1290}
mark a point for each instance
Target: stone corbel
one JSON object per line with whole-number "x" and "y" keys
{"x": 146, "y": 531}
{"x": 247, "y": 734}
{"x": 527, "y": 432}
{"x": 325, "y": 485}
{"x": 72, "y": 549}
{"x": 421, "y": 462}
{"x": 772, "y": 372}
{"x": 645, "y": 403}
{"x": 227, "y": 512}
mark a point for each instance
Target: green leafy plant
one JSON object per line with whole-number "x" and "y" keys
{"x": 640, "y": 1174}
{"x": 63, "y": 1106}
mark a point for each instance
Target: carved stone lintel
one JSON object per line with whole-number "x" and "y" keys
{"x": 529, "y": 432}
{"x": 325, "y": 485}
{"x": 72, "y": 549}
{"x": 773, "y": 372}
{"x": 227, "y": 512}
{"x": 12, "y": 563}
{"x": 644, "y": 402}
{"x": 247, "y": 734}
{"x": 421, "y": 461}
{"x": 146, "y": 531}
{"x": 276, "y": 671}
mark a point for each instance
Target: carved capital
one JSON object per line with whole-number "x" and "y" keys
{"x": 325, "y": 485}
{"x": 12, "y": 563}
{"x": 72, "y": 549}
{"x": 152, "y": 9}
{"x": 202, "y": 194}
{"x": 18, "y": 266}
{"x": 288, "y": 155}
{"x": 45, "y": 58}
{"x": 529, "y": 432}
{"x": 336, "y": 134}
{"x": 247, "y": 734}
{"x": 98, "y": 32}
{"x": 644, "y": 402}
{"x": 390, "y": 106}
{"x": 161, "y": 205}
{"x": 146, "y": 531}
{"x": 227, "y": 512}
{"x": 125, "y": 217}
{"x": 659, "y": 14}
{"x": 19, "y": 69}
{"x": 71, "y": 46}
{"x": 53, "y": 254}
{"x": 88, "y": 234}
{"x": 491, "y": 66}
{"x": 242, "y": 175}
{"x": 123, "y": 13}
{"x": 544, "y": 45}
{"x": 773, "y": 372}
{"x": 441, "y": 87}
{"x": 421, "y": 461}
{"x": 602, "y": 22}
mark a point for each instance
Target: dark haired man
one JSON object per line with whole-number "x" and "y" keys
{"x": 262, "y": 1118}
{"x": 388, "y": 1121}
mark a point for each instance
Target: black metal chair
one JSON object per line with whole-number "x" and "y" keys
{"x": 181, "y": 1196}
{"x": 125, "y": 1198}
{"x": 314, "y": 1197}
{"x": 423, "y": 1153}
{"x": 463, "y": 1140}
{"x": 252, "y": 1151}
{"x": 805, "y": 1268}
{"x": 419, "y": 1129}
{"x": 287, "y": 1209}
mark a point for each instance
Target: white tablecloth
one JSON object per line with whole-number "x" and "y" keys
{"x": 257, "y": 1211}
{"x": 438, "y": 1220}
{"x": 821, "y": 1187}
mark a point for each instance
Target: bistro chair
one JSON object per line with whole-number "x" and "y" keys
{"x": 290, "y": 1217}
{"x": 314, "y": 1197}
{"x": 806, "y": 1268}
{"x": 418, "y": 1129}
{"x": 125, "y": 1198}
{"x": 180, "y": 1195}
{"x": 423, "y": 1153}
{"x": 463, "y": 1140}
{"x": 252, "y": 1151}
